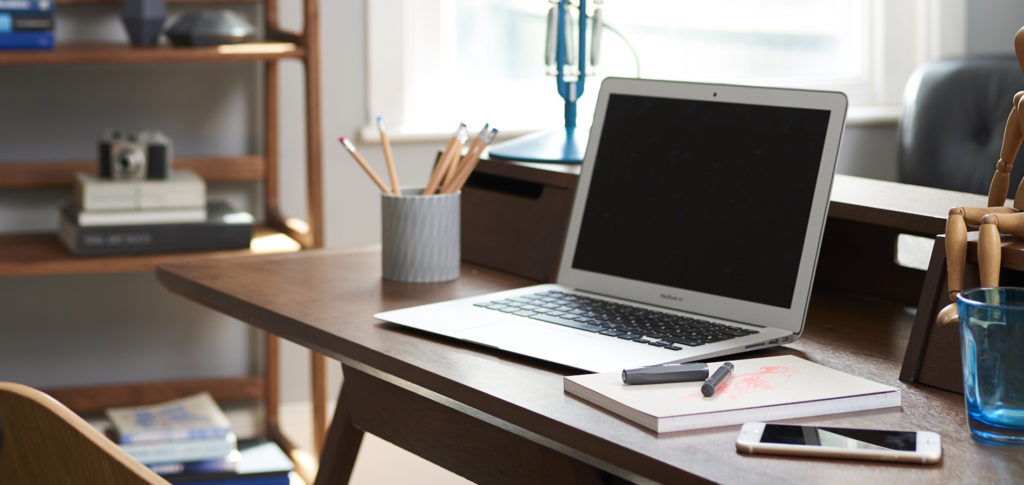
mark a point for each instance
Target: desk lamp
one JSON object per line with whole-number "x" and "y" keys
{"x": 564, "y": 145}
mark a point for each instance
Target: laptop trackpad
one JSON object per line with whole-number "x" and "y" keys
{"x": 538, "y": 339}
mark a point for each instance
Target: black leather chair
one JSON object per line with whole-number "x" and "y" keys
{"x": 952, "y": 122}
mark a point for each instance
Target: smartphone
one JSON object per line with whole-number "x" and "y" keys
{"x": 828, "y": 442}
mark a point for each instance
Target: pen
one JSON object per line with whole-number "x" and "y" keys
{"x": 720, "y": 375}
{"x": 362, "y": 163}
{"x": 385, "y": 143}
{"x": 657, "y": 374}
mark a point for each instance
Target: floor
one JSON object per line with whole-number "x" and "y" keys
{"x": 379, "y": 462}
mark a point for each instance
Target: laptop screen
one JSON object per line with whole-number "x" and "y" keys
{"x": 707, "y": 196}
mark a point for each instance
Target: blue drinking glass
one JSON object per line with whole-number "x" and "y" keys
{"x": 992, "y": 352}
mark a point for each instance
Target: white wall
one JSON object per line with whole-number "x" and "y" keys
{"x": 86, "y": 329}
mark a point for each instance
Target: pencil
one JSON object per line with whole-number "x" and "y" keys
{"x": 454, "y": 167}
{"x": 448, "y": 156}
{"x": 389, "y": 158}
{"x": 469, "y": 162}
{"x": 362, "y": 163}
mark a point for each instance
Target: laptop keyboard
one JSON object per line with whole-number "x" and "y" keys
{"x": 626, "y": 322}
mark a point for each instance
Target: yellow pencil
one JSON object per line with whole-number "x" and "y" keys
{"x": 469, "y": 162}
{"x": 386, "y": 144}
{"x": 362, "y": 163}
{"x": 448, "y": 156}
{"x": 454, "y": 167}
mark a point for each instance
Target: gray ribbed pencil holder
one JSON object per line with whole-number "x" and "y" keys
{"x": 420, "y": 236}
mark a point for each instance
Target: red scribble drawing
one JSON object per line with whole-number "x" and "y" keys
{"x": 740, "y": 385}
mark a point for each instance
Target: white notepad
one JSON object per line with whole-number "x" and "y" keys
{"x": 762, "y": 389}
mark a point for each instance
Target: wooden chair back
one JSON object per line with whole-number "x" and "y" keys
{"x": 42, "y": 441}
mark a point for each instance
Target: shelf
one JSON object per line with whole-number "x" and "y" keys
{"x": 125, "y": 54}
{"x": 43, "y": 254}
{"x": 118, "y": 2}
{"x": 51, "y": 174}
{"x": 93, "y": 399}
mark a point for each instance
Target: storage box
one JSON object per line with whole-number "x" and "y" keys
{"x": 515, "y": 215}
{"x": 933, "y": 352}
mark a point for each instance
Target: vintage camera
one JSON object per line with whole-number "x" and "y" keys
{"x": 145, "y": 155}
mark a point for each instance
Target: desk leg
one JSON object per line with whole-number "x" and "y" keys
{"x": 338, "y": 457}
{"x": 318, "y": 373}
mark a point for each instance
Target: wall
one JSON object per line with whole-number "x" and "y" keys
{"x": 68, "y": 330}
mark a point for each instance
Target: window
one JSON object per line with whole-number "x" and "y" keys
{"x": 433, "y": 63}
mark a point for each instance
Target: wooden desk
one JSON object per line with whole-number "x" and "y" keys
{"x": 498, "y": 418}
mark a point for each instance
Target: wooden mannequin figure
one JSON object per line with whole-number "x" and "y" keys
{"x": 991, "y": 220}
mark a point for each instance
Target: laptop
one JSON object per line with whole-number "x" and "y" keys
{"x": 694, "y": 233}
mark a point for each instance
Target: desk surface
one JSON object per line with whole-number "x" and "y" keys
{"x": 323, "y": 300}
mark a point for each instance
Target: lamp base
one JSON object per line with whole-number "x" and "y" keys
{"x": 563, "y": 145}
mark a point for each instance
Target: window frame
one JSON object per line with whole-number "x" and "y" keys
{"x": 937, "y": 28}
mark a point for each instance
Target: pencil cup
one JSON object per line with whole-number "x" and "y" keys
{"x": 991, "y": 339}
{"x": 420, "y": 236}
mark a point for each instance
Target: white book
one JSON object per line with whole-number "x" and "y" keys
{"x": 149, "y": 453}
{"x": 133, "y": 217}
{"x": 194, "y": 417}
{"x": 183, "y": 188}
{"x": 763, "y": 389}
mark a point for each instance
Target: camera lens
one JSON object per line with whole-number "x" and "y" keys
{"x": 130, "y": 162}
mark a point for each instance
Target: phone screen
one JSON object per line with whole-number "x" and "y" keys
{"x": 844, "y": 438}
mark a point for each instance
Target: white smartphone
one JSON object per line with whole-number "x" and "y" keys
{"x": 829, "y": 442}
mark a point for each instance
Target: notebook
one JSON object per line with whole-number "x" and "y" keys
{"x": 694, "y": 233}
{"x": 763, "y": 389}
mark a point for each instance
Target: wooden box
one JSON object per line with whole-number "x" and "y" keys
{"x": 515, "y": 215}
{"x": 933, "y": 352}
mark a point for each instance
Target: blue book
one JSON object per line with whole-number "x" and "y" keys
{"x": 45, "y": 6}
{"x": 195, "y": 468}
{"x": 25, "y": 22}
{"x": 260, "y": 462}
{"x": 36, "y": 39}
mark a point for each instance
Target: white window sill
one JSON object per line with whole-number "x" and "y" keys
{"x": 856, "y": 116}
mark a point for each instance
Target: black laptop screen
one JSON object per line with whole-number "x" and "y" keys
{"x": 710, "y": 197}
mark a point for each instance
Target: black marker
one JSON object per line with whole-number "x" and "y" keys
{"x": 720, "y": 375}
{"x": 665, "y": 373}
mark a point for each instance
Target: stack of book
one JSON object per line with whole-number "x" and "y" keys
{"x": 132, "y": 216}
{"x": 26, "y": 24}
{"x": 189, "y": 440}
{"x": 191, "y": 430}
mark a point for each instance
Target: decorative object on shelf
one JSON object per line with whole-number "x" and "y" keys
{"x": 144, "y": 20}
{"x": 145, "y": 155}
{"x": 213, "y": 27}
{"x": 992, "y": 220}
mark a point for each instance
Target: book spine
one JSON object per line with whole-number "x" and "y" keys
{"x": 180, "y": 434}
{"x": 139, "y": 195}
{"x": 110, "y": 240}
{"x": 182, "y": 471}
{"x": 25, "y": 22}
{"x": 138, "y": 217}
{"x": 36, "y": 6}
{"x": 180, "y": 451}
{"x": 40, "y": 39}
{"x": 279, "y": 479}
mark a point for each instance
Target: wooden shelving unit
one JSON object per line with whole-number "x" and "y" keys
{"x": 42, "y": 254}
{"x": 122, "y": 54}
